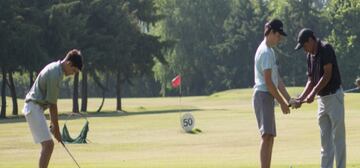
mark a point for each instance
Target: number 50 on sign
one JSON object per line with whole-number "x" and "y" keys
{"x": 187, "y": 122}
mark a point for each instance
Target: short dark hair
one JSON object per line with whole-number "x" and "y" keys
{"x": 74, "y": 56}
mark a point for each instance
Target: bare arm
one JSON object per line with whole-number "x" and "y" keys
{"x": 324, "y": 80}
{"x": 274, "y": 92}
{"x": 306, "y": 91}
{"x": 283, "y": 90}
{"x": 54, "y": 121}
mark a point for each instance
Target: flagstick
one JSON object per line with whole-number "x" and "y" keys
{"x": 180, "y": 99}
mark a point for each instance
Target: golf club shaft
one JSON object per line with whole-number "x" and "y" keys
{"x": 67, "y": 150}
{"x": 346, "y": 91}
{"x": 351, "y": 90}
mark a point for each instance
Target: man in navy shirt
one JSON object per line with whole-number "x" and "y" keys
{"x": 324, "y": 81}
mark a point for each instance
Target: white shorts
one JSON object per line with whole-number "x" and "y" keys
{"x": 35, "y": 117}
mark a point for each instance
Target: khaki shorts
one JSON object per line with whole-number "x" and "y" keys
{"x": 263, "y": 103}
{"x": 35, "y": 117}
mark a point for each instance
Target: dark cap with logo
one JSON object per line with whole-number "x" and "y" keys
{"x": 277, "y": 25}
{"x": 303, "y": 37}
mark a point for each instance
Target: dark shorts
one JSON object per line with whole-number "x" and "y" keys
{"x": 263, "y": 103}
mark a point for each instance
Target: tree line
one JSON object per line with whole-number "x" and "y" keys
{"x": 135, "y": 47}
{"x": 216, "y": 40}
{"x": 111, "y": 34}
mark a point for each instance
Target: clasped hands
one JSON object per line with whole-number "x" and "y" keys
{"x": 294, "y": 103}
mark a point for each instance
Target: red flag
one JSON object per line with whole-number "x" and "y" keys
{"x": 176, "y": 82}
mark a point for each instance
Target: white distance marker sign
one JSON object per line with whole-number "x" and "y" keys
{"x": 187, "y": 122}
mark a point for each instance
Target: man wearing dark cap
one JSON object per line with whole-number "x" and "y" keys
{"x": 268, "y": 85}
{"x": 324, "y": 81}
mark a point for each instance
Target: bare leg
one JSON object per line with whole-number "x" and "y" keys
{"x": 271, "y": 147}
{"x": 266, "y": 146}
{"x": 47, "y": 148}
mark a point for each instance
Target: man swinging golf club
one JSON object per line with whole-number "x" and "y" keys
{"x": 44, "y": 94}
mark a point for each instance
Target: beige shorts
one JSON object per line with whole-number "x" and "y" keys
{"x": 35, "y": 117}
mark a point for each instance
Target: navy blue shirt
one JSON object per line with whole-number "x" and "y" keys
{"x": 325, "y": 55}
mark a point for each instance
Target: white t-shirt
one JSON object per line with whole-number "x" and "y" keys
{"x": 265, "y": 59}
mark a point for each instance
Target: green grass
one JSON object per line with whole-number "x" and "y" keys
{"x": 150, "y": 136}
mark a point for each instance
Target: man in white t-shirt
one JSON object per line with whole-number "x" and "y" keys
{"x": 268, "y": 85}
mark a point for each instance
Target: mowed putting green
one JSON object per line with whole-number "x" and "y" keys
{"x": 150, "y": 136}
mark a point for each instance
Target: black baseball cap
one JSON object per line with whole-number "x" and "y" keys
{"x": 276, "y": 25}
{"x": 303, "y": 36}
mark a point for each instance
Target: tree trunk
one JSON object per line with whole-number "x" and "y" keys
{"x": 118, "y": 92}
{"x": 84, "y": 94}
{"x": 104, "y": 88}
{"x": 163, "y": 89}
{"x": 13, "y": 94}
{"x": 98, "y": 82}
{"x": 102, "y": 102}
{"x": 76, "y": 94}
{"x": 3, "y": 95}
{"x": 31, "y": 80}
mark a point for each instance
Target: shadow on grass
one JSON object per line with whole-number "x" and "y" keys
{"x": 124, "y": 113}
{"x": 65, "y": 116}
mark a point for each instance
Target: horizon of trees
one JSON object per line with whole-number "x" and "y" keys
{"x": 109, "y": 34}
{"x": 133, "y": 48}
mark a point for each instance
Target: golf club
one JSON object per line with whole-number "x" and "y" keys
{"x": 357, "y": 83}
{"x": 67, "y": 150}
{"x": 346, "y": 91}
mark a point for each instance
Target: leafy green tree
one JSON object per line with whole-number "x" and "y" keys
{"x": 195, "y": 26}
{"x": 344, "y": 16}
{"x": 243, "y": 31}
{"x": 68, "y": 22}
{"x": 32, "y": 46}
{"x": 27, "y": 42}
{"x": 9, "y": 19}
{"x": 117, "y": 42}
{"x": 295, "y": 16}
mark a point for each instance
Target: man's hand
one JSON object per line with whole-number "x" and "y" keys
{"x": 56, "y": 132}
{"x": 295, "y": 103}
{"x": 284, "y": 108}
